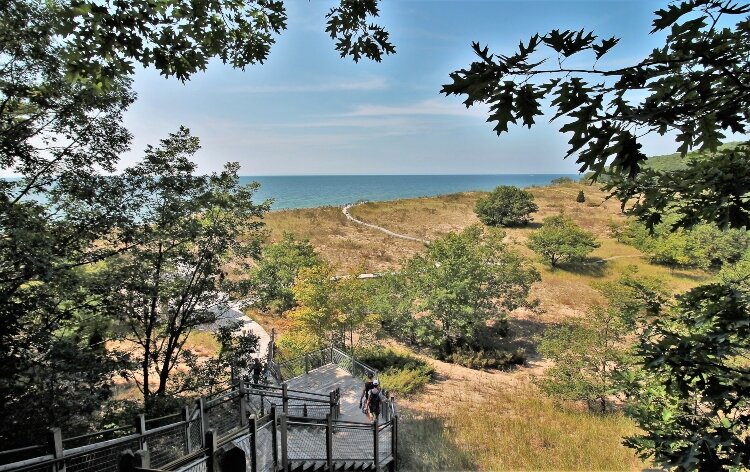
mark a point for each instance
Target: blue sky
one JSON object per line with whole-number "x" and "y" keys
{"x": 307, "y": 111}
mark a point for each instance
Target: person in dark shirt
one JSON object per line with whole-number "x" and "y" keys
{"x": 375, "y": 398}
{"x": 257, "y": 370}
{"x": 363, "y": 397}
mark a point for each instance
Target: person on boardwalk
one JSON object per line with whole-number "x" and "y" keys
{"x": 363, "y": 397}
{"x": 257, "y": 370}
{"x": 375, "y": 398}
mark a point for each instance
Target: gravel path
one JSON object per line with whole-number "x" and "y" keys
{"x": 345, "y": 209}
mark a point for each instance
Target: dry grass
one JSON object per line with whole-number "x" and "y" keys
{"x": 348, "y": 246}
{"x": 500, "y": 421}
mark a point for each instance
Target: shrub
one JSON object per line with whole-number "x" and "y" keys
{"x": 562, "y": 181}
{"x": 400, "y": 372}
{"x": 560, "y": 239}
{"x": 506, "y": 206}
{"x": 581, "y": 197}
{"x": 406, "y": 381}
{"x": 493, "y": 359}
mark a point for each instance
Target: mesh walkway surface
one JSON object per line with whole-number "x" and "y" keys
{"x": 326, "y": 379}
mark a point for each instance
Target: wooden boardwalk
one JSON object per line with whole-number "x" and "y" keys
{"x": 329, "y": 377}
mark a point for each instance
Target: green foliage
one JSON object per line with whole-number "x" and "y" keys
{"x": 295, "y": 343}
{"x": 580, "y": 198}
{"x": 236, "y": 353}
{"x": 704, "y": 246}
{"x": 59, "y": 136}
{"x": 190, "y": 227}
{"x": 399, "y": 372}
{"x": 347, "y": 24}
{"x": 706, "y": 191}
{"x": 333, "y": 309}
{"x": 562, "y": 181}
{"x": 691, "y": 90}
{"x": 585, "y": 351}
{"x": 461, "y": 283}
{"x": 317, "y": 312}
{"x": 506, "y": 206}
{"x": 405, "y": 381}
{"x": 273, "y": 276}
{"x": 690, "y": 395}
{"x": 492, "y": 359}
{"x": 560, "y": 239}
{"x": 179, "y": 38}
{"x": 588, "y": 350}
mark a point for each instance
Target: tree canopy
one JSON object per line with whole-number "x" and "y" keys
{"x": 560, "y": 239}
{"x": 192, "y": 228}
{"x": 462, "y": 282}
{"x": 275, "y": 272}
{"x": 506, "y": 206}
{"x": 179, "y": 38}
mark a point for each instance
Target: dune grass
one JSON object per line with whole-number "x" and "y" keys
{"x": 485, "y": 425}
{"x": 522, "y": 430}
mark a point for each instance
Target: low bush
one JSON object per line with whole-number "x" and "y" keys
{"x": 400, "y": 372}
{"x": 386, "y": 358}
{"x": 494, "y": 359}
{"x": 406, "y": 381}
{"x": 562, "y": 181}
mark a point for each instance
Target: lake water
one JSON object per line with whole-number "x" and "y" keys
{"x": 336, "y": 190}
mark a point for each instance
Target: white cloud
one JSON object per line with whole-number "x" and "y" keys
{"x": 425, "y": 107}
{"x": 365, "y": 84}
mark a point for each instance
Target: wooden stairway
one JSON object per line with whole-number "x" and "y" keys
{"x": 316, "y": 466}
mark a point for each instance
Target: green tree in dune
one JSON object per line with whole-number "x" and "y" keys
{"x": 275, "y": 272}
{"x": 462, "y": 282}
{"x": 560, "y": 239}
{"x": 506, "y": 206}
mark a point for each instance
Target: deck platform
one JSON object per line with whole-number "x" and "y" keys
{"x": 326, "y": 379}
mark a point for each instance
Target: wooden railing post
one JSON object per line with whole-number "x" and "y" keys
{"x": 274, "y": 438}
{"x": 332, "y": 402}
{"x": 56, "y": 448}
{"x": 203, "y": 417}
{"x": 140, "y": 429}
{"x": 210, "y": 441}
{"x": 243, "y": 404}
{"x": 284, "y": 399}
{"x": 283, "y": 439}
{"x": 375, "y": 445}
{"x": 329, "y": 441}
{"x": 394, "y": 441}
{"x": 254, "y": 443}
{"x": 186, "y": 418}
{"x": 338, "y": 402}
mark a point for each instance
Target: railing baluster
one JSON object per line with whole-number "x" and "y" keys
{"x": 329, "y": 441}
{"x": 254, "y": 443}
{"x": 284, "y": 438}
{"x": 274, "y": 438}
{"x": 375, "y": 445}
